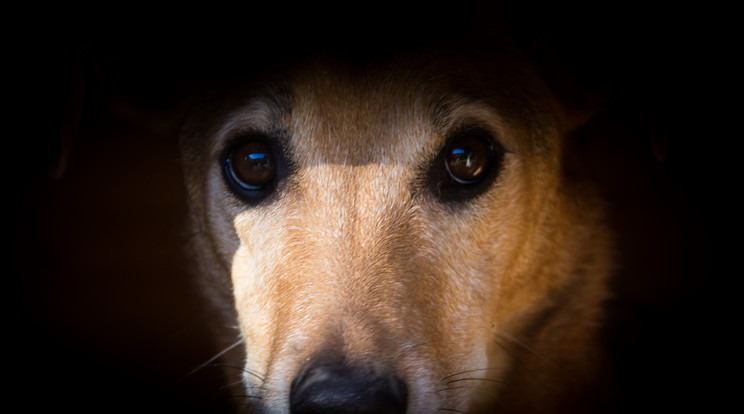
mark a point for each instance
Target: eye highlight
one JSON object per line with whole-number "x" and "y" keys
{"x": 251, "y": 168}
{"x": 251, "y": 165}
{"x": 468, "y": 158}
{"x": 466, "y": 165}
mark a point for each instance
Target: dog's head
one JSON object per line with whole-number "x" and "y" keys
{"x": 398, "y": 237}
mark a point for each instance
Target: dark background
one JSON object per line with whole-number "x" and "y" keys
{"x": 102, "y": 314}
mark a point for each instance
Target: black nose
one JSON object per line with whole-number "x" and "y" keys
{"x": 333, "y": 387}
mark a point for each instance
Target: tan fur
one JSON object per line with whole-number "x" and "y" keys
{"x": 492, "y": 304}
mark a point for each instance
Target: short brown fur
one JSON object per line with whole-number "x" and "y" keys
{"x": 489, "y": 304}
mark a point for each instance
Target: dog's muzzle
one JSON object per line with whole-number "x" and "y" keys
{"x": 335, "y": 387}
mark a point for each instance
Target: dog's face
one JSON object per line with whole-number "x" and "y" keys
{"x": 398, "y": 238}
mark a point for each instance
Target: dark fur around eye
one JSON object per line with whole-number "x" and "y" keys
{"x": 466, "y": 165}
{"x": 253, "y": 166}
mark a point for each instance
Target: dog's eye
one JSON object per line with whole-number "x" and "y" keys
{"x": 251, "y": 165}
{"x": 250, "y": 168}
{"x": 466, "y": 166}
{"x": 468, "y": 158}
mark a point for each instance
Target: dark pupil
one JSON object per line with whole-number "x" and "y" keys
{"x": 252, "y": 165}
{"x": 468, "y": 159}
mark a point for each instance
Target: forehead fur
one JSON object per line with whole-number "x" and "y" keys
{"x": 362, "y": 96}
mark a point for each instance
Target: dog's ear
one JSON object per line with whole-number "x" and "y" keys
{"x": 555, "y": 41}
{"x": 596, "y": 69}
{"x": 115, "y": 85}
{"x": 74, "y": 90}
{"x": 563, "y": 64}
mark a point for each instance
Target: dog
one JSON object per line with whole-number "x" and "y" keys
{"x": 399, "y": 236}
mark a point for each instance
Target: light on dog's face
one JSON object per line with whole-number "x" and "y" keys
{"x": 390, "y": 251}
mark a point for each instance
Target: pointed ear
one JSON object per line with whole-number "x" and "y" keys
{"x": 120, "y": 86}
{"x": 578, "y": 110}
{"x": 74, "y": 93}
{"x": 578, "y": 98}
{"x": 570, "y": 52}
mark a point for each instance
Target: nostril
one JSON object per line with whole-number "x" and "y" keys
{"x": 335, "y": 388}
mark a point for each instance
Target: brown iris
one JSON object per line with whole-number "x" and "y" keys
{"x": 252, "y": 165}
{"x": 468, "y": 158}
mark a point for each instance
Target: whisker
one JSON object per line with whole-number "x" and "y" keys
{"x": 522, "y": 345}
{"x": 480, "y": 384}
{"x": 506, "y": 349}
{"x": 254, "y": 397}
{"x": 484, "y": 389}
{"x": 211, "y": 360}
{"x": 414, "y": 346}
{"x": 230, "y": 386}
{"x": 237, "y": 367}
{"x": 465, "y": 387}
{"x": 452, "y": 410}
{"x": 475, "y": 379}
{"x": 506, "y": 339}
{"x": 467, "y": 372}
{"x": 240, "y": 383}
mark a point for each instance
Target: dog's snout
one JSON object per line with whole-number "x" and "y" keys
{"x": 334, "y": 387}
